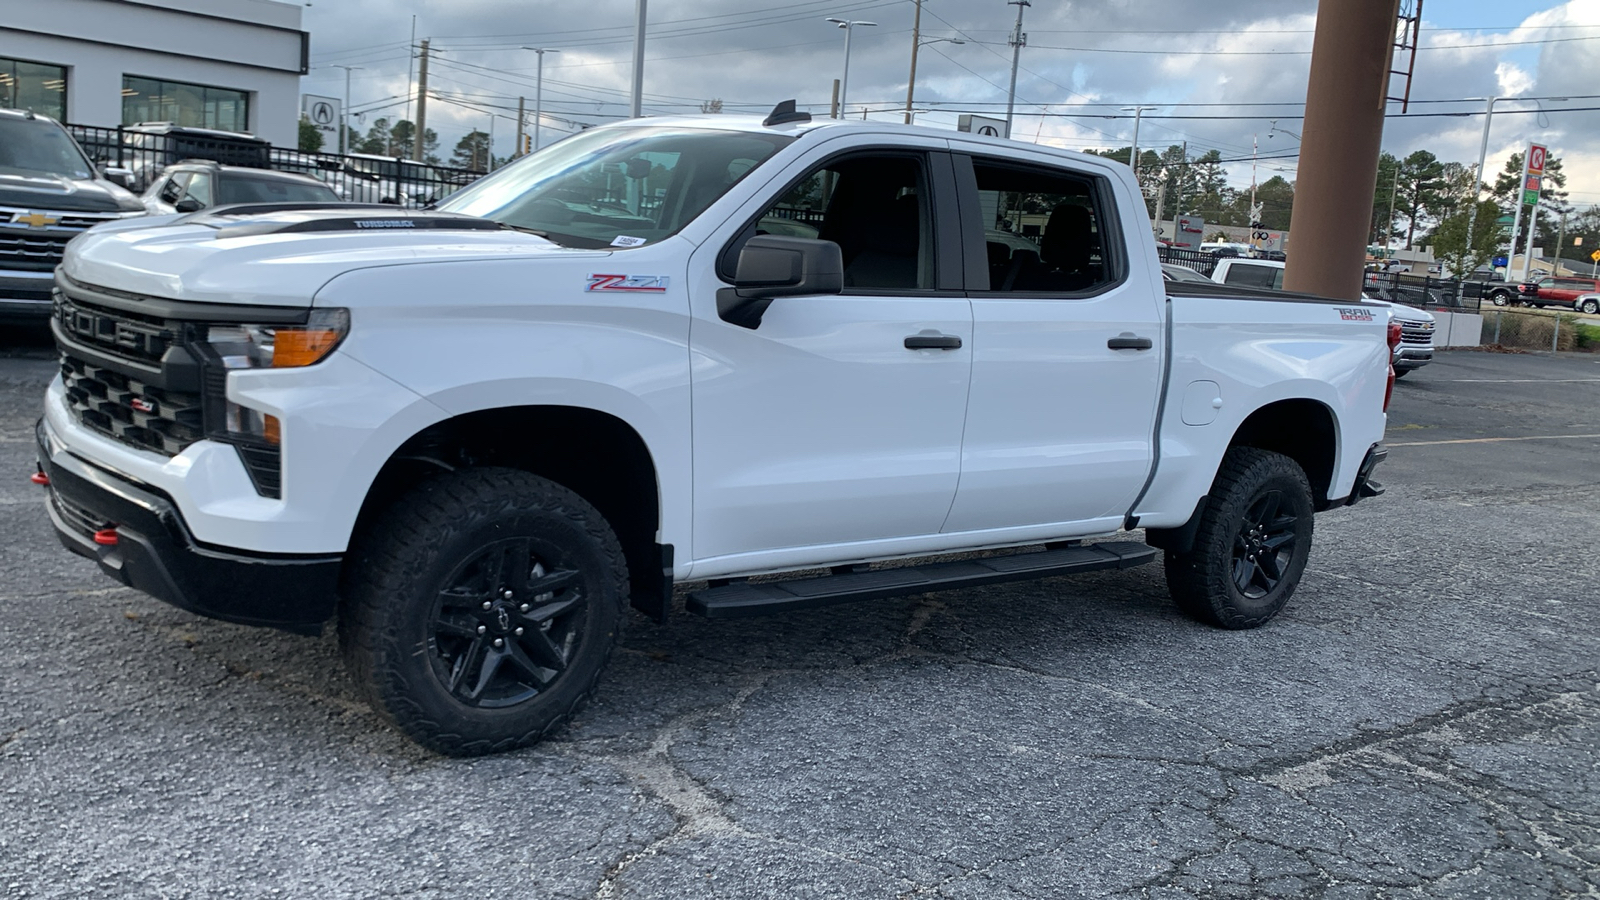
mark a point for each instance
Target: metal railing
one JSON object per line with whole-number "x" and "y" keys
{"x": 1201, "y": 261}
{"x": 1425, "y": 291}
{"x": 359, "y": 178}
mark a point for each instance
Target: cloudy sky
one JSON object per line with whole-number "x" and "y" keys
{"x": 1219, "y": 75}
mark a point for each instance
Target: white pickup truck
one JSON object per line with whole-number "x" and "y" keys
{"x": 684, "y": 350}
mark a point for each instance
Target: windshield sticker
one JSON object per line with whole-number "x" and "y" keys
{"x": 1354, "y": 315}
{"x": 627, "y": 283}
{"x": 623, "y": 240}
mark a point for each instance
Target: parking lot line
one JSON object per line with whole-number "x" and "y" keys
{"x": 1492, "y": 440}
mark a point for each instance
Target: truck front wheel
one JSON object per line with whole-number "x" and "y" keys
{"x": 1252, "y": 544}
{"x": 481, "y": 610}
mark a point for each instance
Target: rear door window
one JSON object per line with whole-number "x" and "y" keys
{"x": 1044, "y": 229}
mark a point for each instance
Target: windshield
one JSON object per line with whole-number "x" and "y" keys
{"x": 617, "y": 187}
{"x": 244, "y": 189}
{"x": 39, "y": 147}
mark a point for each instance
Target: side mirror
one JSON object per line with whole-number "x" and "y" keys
{"x": 118, "y": 175}
{"x": 771, "y": 266}
{"x": 187, "y": 205}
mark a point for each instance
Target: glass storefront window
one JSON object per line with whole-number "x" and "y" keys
{"x": 33, "y": 86}
{"x": 192, "y": 105}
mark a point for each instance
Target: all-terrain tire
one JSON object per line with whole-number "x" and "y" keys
{"x": 480, "y": 610}
{"x": 1252, "y": 544}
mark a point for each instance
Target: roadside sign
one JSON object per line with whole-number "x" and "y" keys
{"x": 323, "y": 113}
{"x": 981, "y": 125}
{"x": 1595, "y": 256}
{"x": 1190, "y": 232}
{"x": 1500, "y": 262}
{"x": 1536, "y": 159}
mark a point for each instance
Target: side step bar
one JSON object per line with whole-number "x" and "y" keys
{"x": 746, "y": 599}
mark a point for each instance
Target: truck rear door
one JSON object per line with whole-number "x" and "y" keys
{"x": 1067, "y": 346}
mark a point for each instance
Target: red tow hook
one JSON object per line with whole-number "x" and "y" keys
{"x": 106, "y": 537}
{"x": 40, "y": 479}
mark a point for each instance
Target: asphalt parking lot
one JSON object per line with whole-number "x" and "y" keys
{"x": 1423, "y": 721}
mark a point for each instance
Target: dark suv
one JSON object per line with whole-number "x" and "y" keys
{"x": 49, "y": 194}
{"x": 149, "y": 147}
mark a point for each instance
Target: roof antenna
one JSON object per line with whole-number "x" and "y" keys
{"x": 784, "y": 113}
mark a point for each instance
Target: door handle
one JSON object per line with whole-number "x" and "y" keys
{"x": 1130, "y": 341}
{"x": 932, "y": 340}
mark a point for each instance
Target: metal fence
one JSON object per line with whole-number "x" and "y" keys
{"x": 1424, "y": 291}
{"x": 1201, "y": 261}
{"x": 146, "y": 150}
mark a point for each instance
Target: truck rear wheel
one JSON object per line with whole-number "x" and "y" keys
{"x": 1252, "y": 545}
{"x": 481, "y": 610}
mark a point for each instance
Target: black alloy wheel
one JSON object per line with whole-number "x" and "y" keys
{"x": 480, "y": 609}
{"x": 1264, "y": 546}
{"x": 506, "y": 625}
{"x": 1252, "y": 543}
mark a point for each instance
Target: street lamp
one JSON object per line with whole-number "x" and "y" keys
{"x": 538, "y": 95}
{"x": 344, "y": 126}
{"x": 911, "y": 83}
{"x": 848, "y": 25}
{"x": 1133, "y": 158}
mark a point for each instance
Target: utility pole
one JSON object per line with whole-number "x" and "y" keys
{"x": 1346, "y": 96}
{"x": 411, "y": 65}
{"x": 1018, "y": 41}
{"x": 1394, "y": 190}
{"x": 522, "y": 104}
{"x": 538, "y": 93}
{"x": 422, "y": 101}
{"x": 1177, "y": 203}
{"x": 344, "y": 126}
{"x": 833, "y": 107}
{"x": 916, "y": 42}
{"x": 637, "y": 109}
{"x": 1561, "y": 235}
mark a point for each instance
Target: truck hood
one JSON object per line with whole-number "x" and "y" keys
{"x": 56, "y": 192}
{"x": 281, "y": 256}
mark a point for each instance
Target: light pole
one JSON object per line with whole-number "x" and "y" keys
{"x": 911, "y": 83}
{"x": 848, "y": 25}
{"x": 538, "y": 94}
{"x": 1133, "y": 158}
{"x": 637, "y": 102}
{"x": 344, "y": 124}
{"x": 1018, "y": 41}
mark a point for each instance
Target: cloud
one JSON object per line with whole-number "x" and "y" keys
{"x": 1082, "y": 62}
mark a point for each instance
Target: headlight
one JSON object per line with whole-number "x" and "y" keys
{"x": 272, "y": 347}
{"x": 280, "y": 346}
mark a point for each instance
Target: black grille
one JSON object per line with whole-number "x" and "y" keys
{"x": 125, "y": 408}
{"x": 130, "y": 336}
{"x": 32, "y": 252}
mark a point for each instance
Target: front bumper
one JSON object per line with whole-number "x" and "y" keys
{"x": 156, "y": 553}
{"x": 1407, "y": 358}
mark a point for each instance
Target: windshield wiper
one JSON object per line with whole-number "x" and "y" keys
{"x": 526, "y": 230}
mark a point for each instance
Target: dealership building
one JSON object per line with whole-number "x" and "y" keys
{"x": 233, "y": 65}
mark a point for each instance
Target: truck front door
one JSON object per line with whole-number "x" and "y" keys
{"x": 824, "y": 425}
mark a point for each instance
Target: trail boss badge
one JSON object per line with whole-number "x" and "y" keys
{"x": 1354, "y": 314}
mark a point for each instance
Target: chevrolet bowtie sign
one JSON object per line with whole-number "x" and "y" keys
{"x": 33, "y": 220}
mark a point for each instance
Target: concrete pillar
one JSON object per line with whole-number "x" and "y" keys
{"x": 1338, "y": 172}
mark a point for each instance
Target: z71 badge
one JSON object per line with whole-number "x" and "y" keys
{"x": 627, "y": 283}
{"x": 1354, "y": 314}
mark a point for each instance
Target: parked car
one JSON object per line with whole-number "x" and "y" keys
{"x": 1241, "y": 272}
{"x": 1561, "y": 290}
{"x": 1587, "y": 303}
{"x": 196, "y": 184}
{"x": 50, "y": 192}
{"x": 1415, "y": 349}
{"x": 1175, "y": 272}
{"x": 149, "y": 147}
{"x": 481, "y": 433}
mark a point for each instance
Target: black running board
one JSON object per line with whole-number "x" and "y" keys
{"x": 746, "y": 599}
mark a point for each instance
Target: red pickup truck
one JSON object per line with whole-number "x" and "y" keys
{"x": 1556, "y": 291}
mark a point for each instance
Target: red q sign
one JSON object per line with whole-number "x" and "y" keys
{"x": 1536, "y": 155}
